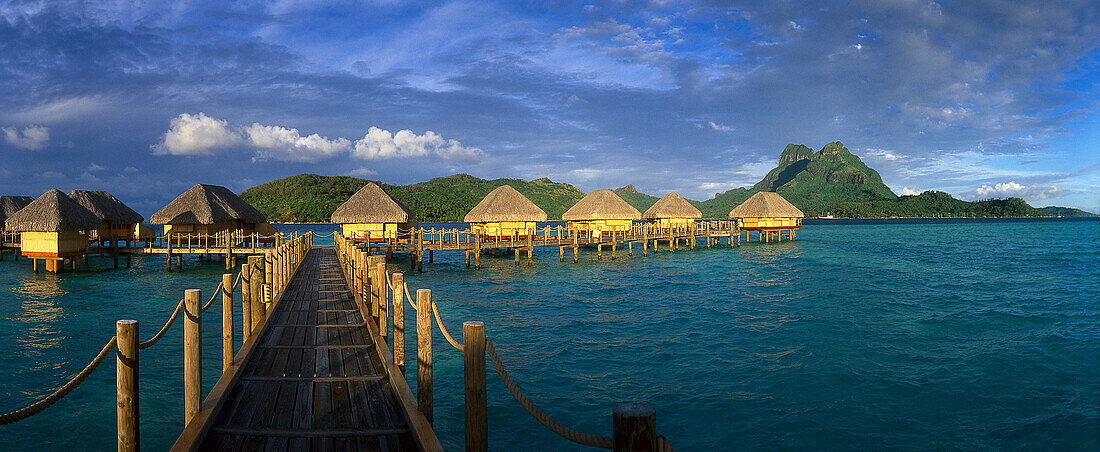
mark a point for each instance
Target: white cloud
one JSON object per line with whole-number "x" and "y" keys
{"x": 95, "y": 167}
{"x": 379, "y": 144}
{"x": 719, "y": 126}
{"x": 906, "y": 191}
{"x": 288, "y": 145}
{"x": 1013, "y": 189}
{"x": 32, "y": 137}
{"x": 61, "y": 110}
{"x": 362, "y": 172}
{"x": 202, "y": 135}
{"x": 196, "y": 135}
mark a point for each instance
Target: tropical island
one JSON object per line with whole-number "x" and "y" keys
{"x": 829, "y": 182}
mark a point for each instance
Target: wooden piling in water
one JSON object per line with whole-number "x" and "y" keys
{"x": 383, "y": 328}
{"x": 126, "y": 384}
{"x": 473, "y": 352}
{"x": 634, "y": 427}
{"x": 424, "y": 394}
{"x": 192, "y": 353}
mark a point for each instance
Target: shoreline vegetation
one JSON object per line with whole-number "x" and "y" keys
{"x": 831, "y": 182}
{"x": 814, "y": 219}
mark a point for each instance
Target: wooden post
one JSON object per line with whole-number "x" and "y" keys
{"x": 192, "y": 353}
{"x": 126, "y": 384}
{"x": 473, "y": 352}
{"x": 424, "y": 352}
{"x": 634, "y": 426}
{"x": 168, "y": 243}
{"x": 399, "y": 320}
{"x": 477, "y": 254}
{"x": 256, "y": 303}
{"x": 246, "y": 303}
{"x": 227, "y": 321}
{"x": 517, "y": 255}
{"x": 383, "y": 328}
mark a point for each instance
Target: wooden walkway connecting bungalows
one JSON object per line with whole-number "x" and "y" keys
{"x": 419, "y": 241}
{"x": 315, "y": 378}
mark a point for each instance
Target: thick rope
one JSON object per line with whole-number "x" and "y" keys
{"x": 210, "y": 302}
{"x": 663, "y": 445}
{"x": 409, "y": 297}
{"x": 36, "y": 407}
{"x": 603, "y": 442}
{"x": 163, "y": 329}
{"x": 443, "y": 329}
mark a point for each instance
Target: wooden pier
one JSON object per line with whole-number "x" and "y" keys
{"x": 314, "y": 379}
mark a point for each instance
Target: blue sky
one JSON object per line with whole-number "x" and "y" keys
{"x": 978, "y": 98}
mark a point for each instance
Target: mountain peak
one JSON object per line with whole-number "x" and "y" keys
{"x": 627, "y": 189}
{"x": 834, "y": 148}
{"x": 793, "y": 153}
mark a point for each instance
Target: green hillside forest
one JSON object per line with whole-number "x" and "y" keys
{"x": 830, "y": 181}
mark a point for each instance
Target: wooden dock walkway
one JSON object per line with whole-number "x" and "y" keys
{"x": 315, "y": 378}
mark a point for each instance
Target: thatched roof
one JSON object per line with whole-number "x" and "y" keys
{"x": 601, "y": 205}
{"x": 207, "y": 204}
{"x": 672, "y": 205}
{"x": 504, "y": 203}
{"x": 53, "y": 212}
{"x": 766, "y": 204}
{"x": 106, "y": 207}
{"x": 11, "y": 204}
{"x": 371, "y": 205}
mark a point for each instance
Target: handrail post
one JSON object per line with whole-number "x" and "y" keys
{"x": 256, "y": 304}
{"x": 381, "y": 278}
{"x": 473, "y": 352}
{"x": 192, "y": 353}
{"x": 424, "y": 353}
{"x": 126, "y": 384}
{"x": 399, "y": 320}
{"x": 635, "y": 427}
{"x": 227, "y": 321}
{"x": 246, "y": 303}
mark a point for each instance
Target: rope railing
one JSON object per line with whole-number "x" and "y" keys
{"x": 585, "y": 439}
{"x": 156, "y": 337}
{"x": 61, "y": 392}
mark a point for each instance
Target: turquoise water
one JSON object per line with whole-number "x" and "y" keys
{"x": 897, "y": 335}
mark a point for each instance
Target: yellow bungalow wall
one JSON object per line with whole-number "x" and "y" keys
{"x": 769, "y": 223}
{"x": 246, "y": 228}
{"x": 377, "y": 230}
{"x": 596, "y": 227}
{"x": 122, "y": 231}
{"x": 53, "y": 244}
{"x": 502, "y": 229}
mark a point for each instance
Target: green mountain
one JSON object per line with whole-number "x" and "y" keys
{"x": 310, "y": 197}
{"x": 830, "y": 181}
{"x": 1056, "y": 211}
{"x": 815, "y": 182}
{"x": 636, "y": 199}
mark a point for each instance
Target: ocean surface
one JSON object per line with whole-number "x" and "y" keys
{"x": 909, "y": 334}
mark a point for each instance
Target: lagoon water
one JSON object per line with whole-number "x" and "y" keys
{"x": 915, "y": 334}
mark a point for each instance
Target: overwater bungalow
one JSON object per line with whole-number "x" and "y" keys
{"x": 373, "y": 213}
{"x": 119, "y": 222}
{"x": 503, "y": 213}
{"x": 601, "y": 211}
{"x": 210, "y": 209}
{"x": 52, "y": 228}
{"x": 769, "y": 213}
{"x": 8, "y": 206}
{"x": 672, "y": 211}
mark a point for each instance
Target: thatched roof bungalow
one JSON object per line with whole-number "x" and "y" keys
{"x": 767, "y": 211}
{"x": 209, "y": 209}
{"x": 504, "y": 212}
{"x": 8, "y": 206}
{"x": 601, "y": 211}
{"x": 372, "y": 213}
{"x": 53, "y": 227}
{"x": 672, "y": 210}
{"x": 118, "y": 220}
